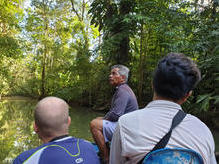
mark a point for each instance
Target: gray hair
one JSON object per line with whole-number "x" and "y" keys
{"x": 123, "y": 70}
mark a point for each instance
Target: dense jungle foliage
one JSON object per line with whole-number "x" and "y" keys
{"x": 65, "y": 48}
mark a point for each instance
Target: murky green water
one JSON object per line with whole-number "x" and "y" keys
{"x": 16, "y": 131}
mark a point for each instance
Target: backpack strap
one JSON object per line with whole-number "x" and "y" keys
{"x": 180, "y": 115}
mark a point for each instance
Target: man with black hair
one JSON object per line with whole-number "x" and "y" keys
{"x": 138, "y": 132}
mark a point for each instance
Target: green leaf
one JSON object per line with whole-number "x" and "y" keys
{"x": 202, "y": 98}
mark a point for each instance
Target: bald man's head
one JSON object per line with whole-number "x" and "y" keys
{"x": 51, "y": 116}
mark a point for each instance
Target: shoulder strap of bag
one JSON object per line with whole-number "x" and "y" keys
{"x": 180, "y": 115}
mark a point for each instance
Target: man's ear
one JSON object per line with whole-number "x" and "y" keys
{"x": 69, "y": 121}
{"x": 186, "y": 96}
{"x": 123, "y": 77}
{"x": 35, "y": 127}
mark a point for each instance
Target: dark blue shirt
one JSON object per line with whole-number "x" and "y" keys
{"x": 67, "y": 150}
{"x": 123, "y": 101}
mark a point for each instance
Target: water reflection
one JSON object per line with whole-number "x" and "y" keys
{"x": 80, "y": 119}
{"x": 16, "y": 130}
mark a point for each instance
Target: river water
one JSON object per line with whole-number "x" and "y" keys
{"x": 16, "y": 130}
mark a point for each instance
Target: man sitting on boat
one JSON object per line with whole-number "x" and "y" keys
{"x": 123, "y": 101}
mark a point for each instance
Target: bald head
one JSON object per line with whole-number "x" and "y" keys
{"x": 51, "y": 116}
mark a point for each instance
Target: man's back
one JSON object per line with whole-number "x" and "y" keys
{"x": 67, "y": 150}
{"x": 132, "y": 104}
{"x": 123, "y": 101}
{"x": 147, "y": 126}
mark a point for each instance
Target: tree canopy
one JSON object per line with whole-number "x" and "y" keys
{"x": 66, "y": 48}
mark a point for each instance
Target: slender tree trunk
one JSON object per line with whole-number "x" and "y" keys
{"x": 43, "y": 81}
{"x": 44, "y": 58}
{"x": 140, "y": 82}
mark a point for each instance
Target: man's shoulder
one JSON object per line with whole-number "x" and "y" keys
{"x": 131, "y": 115}
{"x": 85, "y": 143}
{"x": 125, "y": 90}
{"x": 25, "y": 155}
{"x": 198, "y": 125}
{"x": 124, "y": 86}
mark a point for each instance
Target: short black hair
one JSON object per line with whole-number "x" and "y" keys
{"x": 175, "y": 76}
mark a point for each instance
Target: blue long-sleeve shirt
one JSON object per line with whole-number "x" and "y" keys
{"x": 123, "y": 101}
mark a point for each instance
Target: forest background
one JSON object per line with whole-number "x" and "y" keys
{"x": 65, "y": 48}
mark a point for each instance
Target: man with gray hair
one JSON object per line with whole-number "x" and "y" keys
{"x": 51, "y": 123}
{"x": 123, "y": 101}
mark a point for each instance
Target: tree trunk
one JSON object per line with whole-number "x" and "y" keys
{"x": 140, "y": 82}
{"x": 123, "y": 51}
{"x": 123, "y": 54}
{"x": 44, "y": 58}
{"x": 43, "y": 81}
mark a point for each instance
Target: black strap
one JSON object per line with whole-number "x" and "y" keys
{"x": 163, "y": 142}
